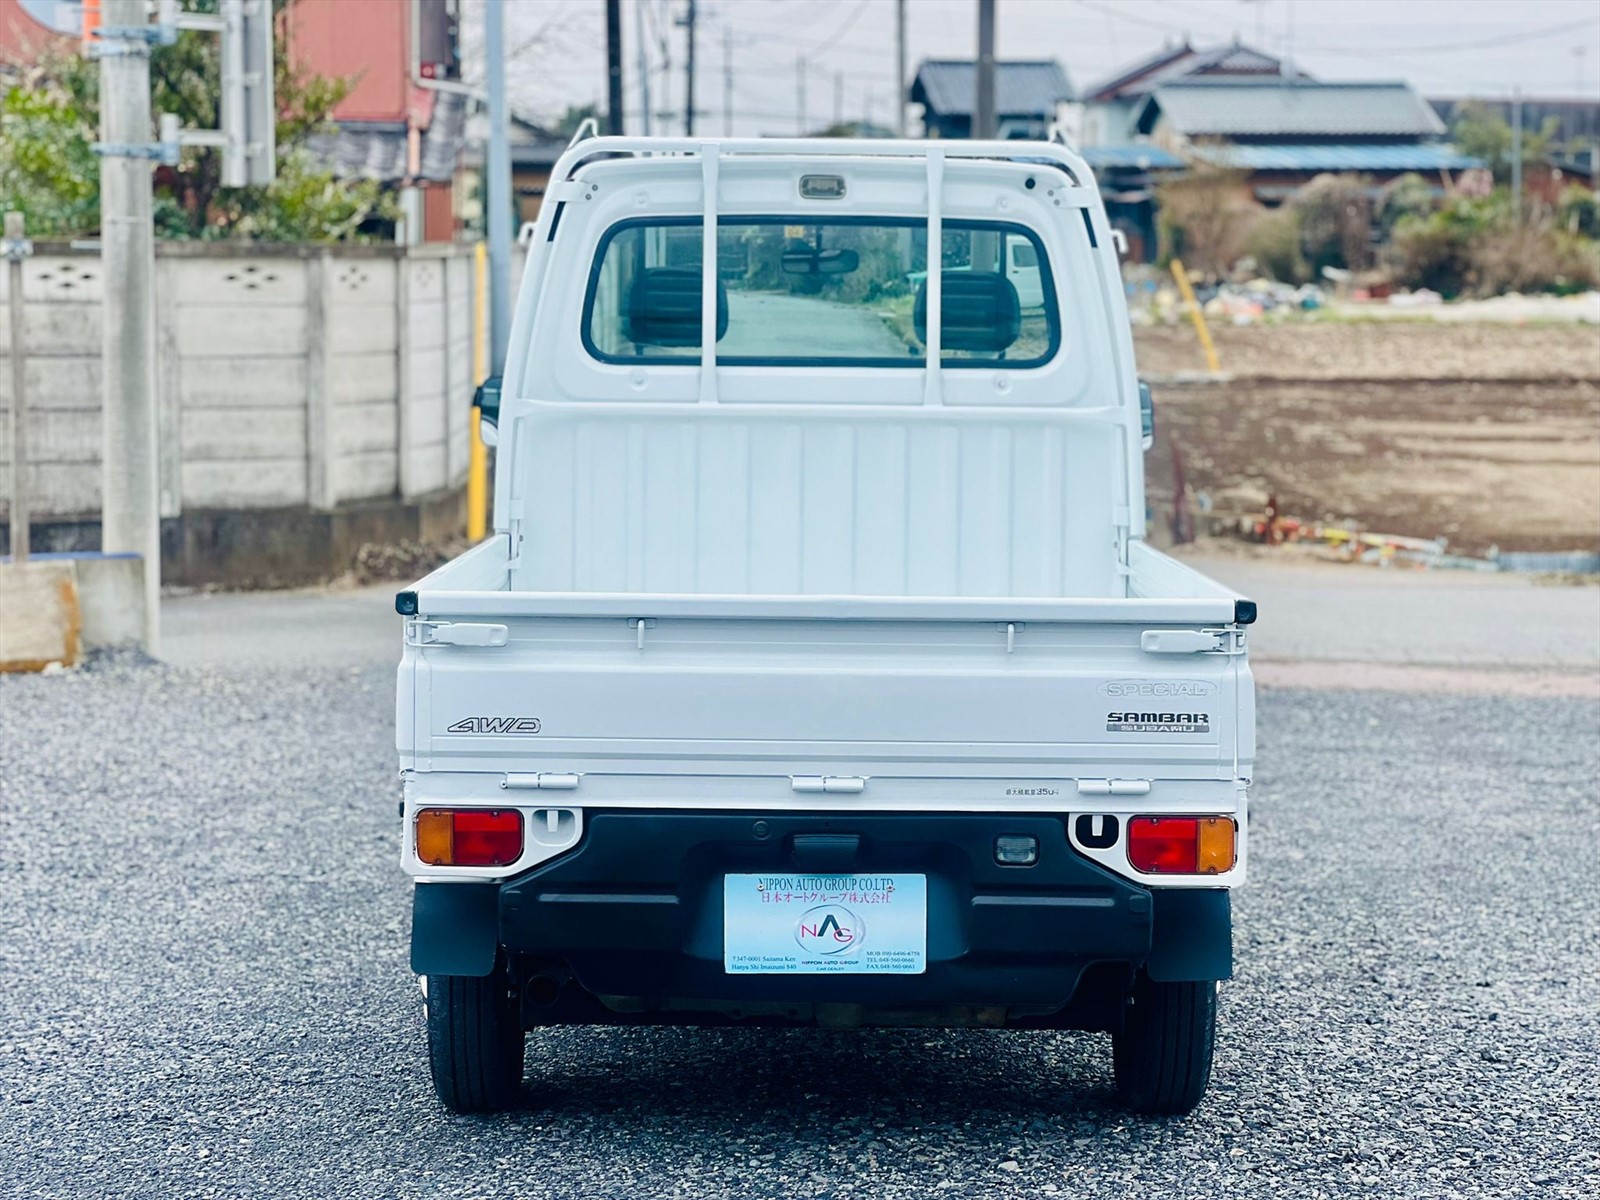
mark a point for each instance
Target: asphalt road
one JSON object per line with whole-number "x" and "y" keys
{"x": 203, "y": 985}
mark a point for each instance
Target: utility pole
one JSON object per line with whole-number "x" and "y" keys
{"x": 644, "y": 62}
{"x": 130, "y": 520}
{"x": 16, "y": 248}
{"x": 1516, "y": 156}
{"x": 688, "y": 73}
{"x": 614, "y": 67}
{"x": 727, "y": 81}
{"x": 497, "y": 187}
{"x": 900, "y": 67}
{"x": 838, "y": 97}
{"x": 983, "y": 114}
{"x": 801, "y": 117}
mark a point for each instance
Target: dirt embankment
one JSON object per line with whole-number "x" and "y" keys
{"x": 1486, "y": 435}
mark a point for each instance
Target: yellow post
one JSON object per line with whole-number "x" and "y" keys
{"x": 1186, "y": 290}
{"x": 477, "y": 453}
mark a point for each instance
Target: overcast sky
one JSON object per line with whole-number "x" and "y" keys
{"x": 1550, "y": 48}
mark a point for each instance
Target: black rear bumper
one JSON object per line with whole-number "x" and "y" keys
{"x": 634, "y": 914}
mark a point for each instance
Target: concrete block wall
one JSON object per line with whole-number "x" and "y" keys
{"x": 286, "y": 377}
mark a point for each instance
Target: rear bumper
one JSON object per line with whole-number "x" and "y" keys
{"x": 634, "y": 914}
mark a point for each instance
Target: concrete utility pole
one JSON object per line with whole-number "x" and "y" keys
{"x": 16, "y": 248}
{"x": 644, "y": 63}
{"x": 688, "y": 72}
{"x": 984, "y": 124}
{"x": 130, "y": 519}
{"x": 614, "y": 67}
{"x": 1516, "y": 156}
{"x": 727, "y": 82}
{"x": 497, "y": 187}
{"x": 900, "y": 67}
{"x": 838, "y": 97}
{"x": 801, "y": 117}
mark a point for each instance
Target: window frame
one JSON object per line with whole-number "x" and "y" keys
{"x": 1052, "y": 308}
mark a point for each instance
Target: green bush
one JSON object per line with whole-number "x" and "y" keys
{"x": 1335, "y": 220}
{"x": 1274, "y": 242}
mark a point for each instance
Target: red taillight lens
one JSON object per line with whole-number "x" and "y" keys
{"x": 1181, "y": 845}
{"x": 469, "y": 837}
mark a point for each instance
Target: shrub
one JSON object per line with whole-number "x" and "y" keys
{"x": 1206, "y": 218}
{"x": 1432, "y": 252}
{"x": 1274, "y": 242}
{"x": 1335, "y": 223}
{"x": 1532, "y": 259}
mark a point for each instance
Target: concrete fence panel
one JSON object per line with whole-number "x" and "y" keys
{"x": 288, "y": 378}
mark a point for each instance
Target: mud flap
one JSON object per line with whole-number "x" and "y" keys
{"x": 455, "y": 928}
{"x": 1193, "y": 935}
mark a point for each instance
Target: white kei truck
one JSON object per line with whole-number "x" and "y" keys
{"x": 817, "y": 670}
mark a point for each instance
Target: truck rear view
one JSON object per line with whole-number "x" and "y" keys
{"x": 817, "y": 670}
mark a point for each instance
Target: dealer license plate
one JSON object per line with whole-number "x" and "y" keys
{"x": 825, "y": 924}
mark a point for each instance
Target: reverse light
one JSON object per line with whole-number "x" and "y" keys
{"x": 469, "y": 837}
{"x": 1181, "y": 845}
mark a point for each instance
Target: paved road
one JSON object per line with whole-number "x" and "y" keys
{"x": 203, "y": 987}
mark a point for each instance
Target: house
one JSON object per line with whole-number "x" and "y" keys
{"x": 1028, "y": 95}
{"x": 403, "y": 122}
{"x": 1110, "y": 107}
{"x": 1284, "y": 131}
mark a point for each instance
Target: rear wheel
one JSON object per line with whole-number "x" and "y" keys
{"x": 1162, "y": 1056}
{"x": 475, "y": 1041}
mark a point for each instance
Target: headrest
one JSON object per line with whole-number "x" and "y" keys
{"x": 980, "y": 312}
{"x": 664, "y": 307}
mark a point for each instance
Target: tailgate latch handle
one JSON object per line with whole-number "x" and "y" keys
{"x": 852, "y": 784}
{"x": 1191, "y": 641}
{"x": 456, "y": 633}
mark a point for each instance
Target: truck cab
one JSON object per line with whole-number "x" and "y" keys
{"x": 817, "y": 670}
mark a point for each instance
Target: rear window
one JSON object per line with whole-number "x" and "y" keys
{"x": 825, "y": 293}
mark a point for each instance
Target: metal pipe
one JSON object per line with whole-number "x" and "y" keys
{"x": 614, "y": 66}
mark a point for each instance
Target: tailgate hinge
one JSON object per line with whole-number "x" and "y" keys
{"x": 1192, "y": 641}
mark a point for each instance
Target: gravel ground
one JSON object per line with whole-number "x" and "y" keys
{"x": 203, "y": 988}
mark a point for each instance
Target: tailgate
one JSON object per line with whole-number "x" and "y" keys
{"x": 741, "y": 704}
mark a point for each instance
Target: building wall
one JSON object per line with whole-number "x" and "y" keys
{"x": 366, "y": 41}
{"x": 286, "y": 376}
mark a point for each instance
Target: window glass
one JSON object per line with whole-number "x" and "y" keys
{"x": 820, "y": 293}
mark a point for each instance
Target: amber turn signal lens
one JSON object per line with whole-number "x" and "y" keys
{"x": 1215, "y": 853}
{"x": 1181, "y": 845}
{"x": 469, "y": 837}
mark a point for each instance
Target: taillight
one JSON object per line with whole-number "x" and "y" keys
{"x": 469, "y": 837}
{"x": 1181, "y": 845}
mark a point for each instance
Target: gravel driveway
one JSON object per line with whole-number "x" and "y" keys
{"x": 203, "y": 988}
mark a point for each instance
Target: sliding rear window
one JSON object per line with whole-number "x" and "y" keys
{"x": 821, "y": 293}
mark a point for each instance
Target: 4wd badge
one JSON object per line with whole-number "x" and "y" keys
{"x": 495, "y": 725}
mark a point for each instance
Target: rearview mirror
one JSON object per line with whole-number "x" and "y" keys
{"x": 487, "y": 400}
{"x": 820, "y": 262}
{"x": 1147, "y": 416}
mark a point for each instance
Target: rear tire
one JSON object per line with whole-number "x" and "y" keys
{"x": 475, "y": 1041}
{"x": 1162, "y": 1057}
